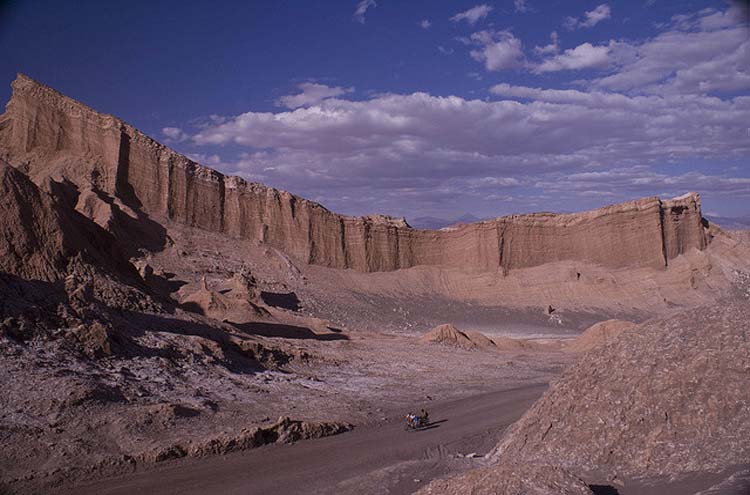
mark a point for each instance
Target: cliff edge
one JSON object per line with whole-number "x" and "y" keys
{"x": 48, "y": 135}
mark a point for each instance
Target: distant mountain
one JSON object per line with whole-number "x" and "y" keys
{"x": 435, "y": 223}
{"x": 466, "y": 218}
{"x": 429, "y": 223}
{"x": 730, "y": 223}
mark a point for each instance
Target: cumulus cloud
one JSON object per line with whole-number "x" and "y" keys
{"x": 361, "y": 10}
{"x": 607, "y": 139}
{"x": 473, "y": 15}
{"x": 419, "y": 139}
{"x": 698, "y": 54}
{"x": 552, "y": 48}
{"x": 210, "y": 160}
{"x": 521, "y": 6}
{"x": 174, "y": 134}
{"x": 590, "y": 18}
{"x": 583, "y": 56}
{"x": 498, "y": 50}
{"x": 425, "y": 24}
{"x": 311, "y": 93}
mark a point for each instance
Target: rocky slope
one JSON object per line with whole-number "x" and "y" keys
{"x": 601, "y": 333}
{"x": 60, "y": 273}
{"x": 49, "y": 135}
{"x": 667, "y": 398}
{"x": 76, "y": 320}
{"x": 38, "y": 237}
{"x": 511, "y": 479}
{"x": 660, "y": 402}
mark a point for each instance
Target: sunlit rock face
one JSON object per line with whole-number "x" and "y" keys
{"x": 48, "y": 135}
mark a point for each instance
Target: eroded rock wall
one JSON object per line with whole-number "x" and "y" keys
{"x": 51, "y": 136}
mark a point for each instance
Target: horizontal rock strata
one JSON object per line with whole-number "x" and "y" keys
{"x": 50, "y": 135}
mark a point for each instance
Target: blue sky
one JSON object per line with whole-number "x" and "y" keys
{"x": 418, "y": 108}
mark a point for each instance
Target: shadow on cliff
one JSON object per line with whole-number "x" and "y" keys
{"x": 165, "y": 284}
{"x": 31, "y": 308}
{"x": 283, "y": 300}
{"x": 151, "y": 235}
{"x": 603, "y": 490}
{"x": 27, "y": 304}
{"x": 236, "y": 358}
{"x": 131, "y": 234}
{"x": 286, "y": 331}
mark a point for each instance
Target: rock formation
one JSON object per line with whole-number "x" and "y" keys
{"x": 666, "y": 398}
{"x": 35, "y": 241}
{"x": 284, "y": 430}
{"x": 448, "y": 334}
{"x": 48, "y": 135}
{"x": 38, "y": 238}
{"x": 479, "y": 339}
{"x": 600, "y": 333}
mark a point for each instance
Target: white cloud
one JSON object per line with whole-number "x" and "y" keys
{"x": 403, "y": 137}
{"x": 590, "y": 18}
{"x": 694, "y": 56}
{"x": 361, "y": 10}
{"x": 210, "y": 160}
{"x": 311, "y": 93}
{"x": 473, "y": 15}
{"x": 444, "y": 50}
{"x": 607, "y": 138}
{"x": 583, "y": 56}
{"x": 552, "y": 48}
{"x": 498, "y": 50}
{"x": 425, "y": 24}
{"x": 174, "y": 134}
{"x": 520, "y": 5}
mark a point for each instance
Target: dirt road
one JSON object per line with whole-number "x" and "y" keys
{"x": 378, "y": 458}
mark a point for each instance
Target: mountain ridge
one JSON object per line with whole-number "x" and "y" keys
{"x": 47, "y": 134}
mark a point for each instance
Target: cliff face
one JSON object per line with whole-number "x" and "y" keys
{"x": 49, "y": 135}
{"x": 38, "y": 236}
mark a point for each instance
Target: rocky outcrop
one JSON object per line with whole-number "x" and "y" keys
{"x": 668, "y": 397}
{"x": 38, "y": 237}
{"x": 51, "y": 136}
{"x": 283, "y": 431}
{"x": 33, "y": 243}
{"x": 447, "y": 334}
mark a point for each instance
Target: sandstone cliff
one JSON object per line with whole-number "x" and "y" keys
{"x": 49, "y": 135}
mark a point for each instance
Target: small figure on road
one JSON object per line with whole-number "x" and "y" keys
{"x": 425, "y": 417}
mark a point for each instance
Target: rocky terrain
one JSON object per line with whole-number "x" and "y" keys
{"x": 153, "y": 310}
{"x": 602, "y": 333}
{"x": 666, "y": 399}
{"x": 661, "y": 402}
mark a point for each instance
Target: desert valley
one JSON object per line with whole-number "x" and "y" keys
{"x": 165, "y": 328}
